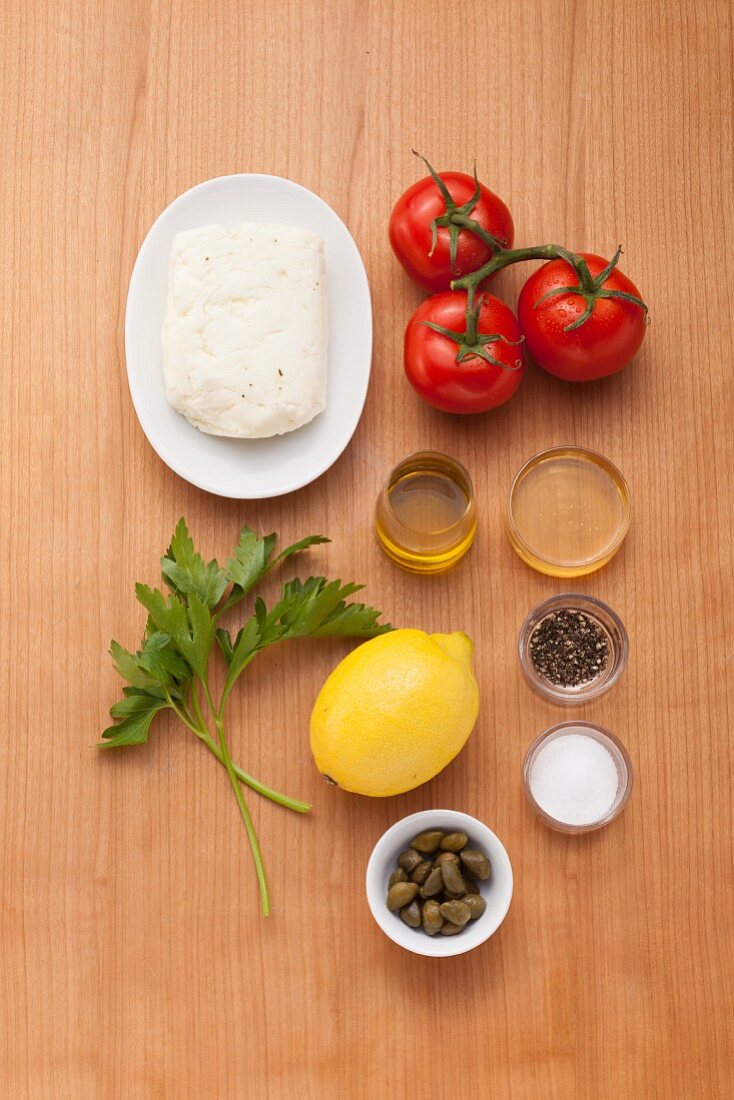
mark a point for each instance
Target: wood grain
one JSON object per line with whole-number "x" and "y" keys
{"x": 134, "y": 963}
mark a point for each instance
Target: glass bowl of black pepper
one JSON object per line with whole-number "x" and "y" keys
{"x": 572, "y": 648}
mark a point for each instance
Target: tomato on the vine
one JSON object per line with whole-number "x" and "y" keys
{"x": 428, "y": 261}
{"x": 459, "y": 362}
{"x": 564, "y": 344}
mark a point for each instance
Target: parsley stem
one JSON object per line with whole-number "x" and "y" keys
{"x": 230, "y": 684}
{"x": 183, "y": 715}
{"x": 269, "y": 792}
{"x": 256, "y": 785}
{"x": 254, "y": 842}
{"x": 203, "y": 734}
{"x": 197, "y": 706}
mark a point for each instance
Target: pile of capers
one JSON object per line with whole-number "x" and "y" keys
{"x": 434, "y": 885}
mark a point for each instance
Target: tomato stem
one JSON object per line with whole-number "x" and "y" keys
{"x": 445, "y": 220}
{"x": 503, "y": 257}
{"x": 457, "y": 218}
{"x": 473, "y": 344}
{"x": 588, "y": 287}
{"x": 472, "y": 318}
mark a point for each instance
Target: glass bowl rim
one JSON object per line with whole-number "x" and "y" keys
{"x": 610, "y": 468}
{"x": 600, "y": 734}
{"x": 589, "y": 605}
{"x": 467, "y": 514}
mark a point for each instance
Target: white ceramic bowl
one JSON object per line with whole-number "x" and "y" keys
{"x": 247, "y": 469}
{"x": 496, "y": 891}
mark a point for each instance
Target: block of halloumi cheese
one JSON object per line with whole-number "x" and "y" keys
{"x": 245, "y": 328}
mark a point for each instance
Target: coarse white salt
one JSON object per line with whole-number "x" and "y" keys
{"x": 574, "y": 779}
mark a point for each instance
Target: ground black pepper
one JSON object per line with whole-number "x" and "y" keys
{"x": 569, "y": 648}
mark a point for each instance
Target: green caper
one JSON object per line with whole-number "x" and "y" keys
{"x": 421, "y": 872}
{"x": 452, "y": 879}
{"x": 411, "y": 914}
{"x": 476, "y": 904}
{"x": 401, "y": 894}
{"x": 456, "y": 912}
{"x": 433, "y": 884}
{"x": 432, "y": 919}
{"x": 427, "y": 842}
{"x": 409, "y": 859}
{"x": 476, "y": 863}
{"x": 446, "y": 857}
{"x": 454, "y": 842}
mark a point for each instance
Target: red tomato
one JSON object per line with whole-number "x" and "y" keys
{"x": 410, "y": 230}
{"x": 472, "y": 385}
{"x": 602, "y": 345}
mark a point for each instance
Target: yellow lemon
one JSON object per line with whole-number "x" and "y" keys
{"x": 395, "y": 711}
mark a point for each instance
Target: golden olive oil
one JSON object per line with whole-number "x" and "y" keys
{"x": 425, "y": 517}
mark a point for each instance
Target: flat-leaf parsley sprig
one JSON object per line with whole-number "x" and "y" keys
{"x": 171, "y": 669}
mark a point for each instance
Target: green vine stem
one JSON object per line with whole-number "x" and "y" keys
{"x": 590, "y": 288}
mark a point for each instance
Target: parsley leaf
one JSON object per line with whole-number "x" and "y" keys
{"x": 253, "y": 559}
{"x": 318, "y": 607}
{"x": 250, "y": 561}
{"x": 352, "y": 620}
{"x": 129, "y": 667}
{"x": 302, "y": 544}
{"x": 135, "y": 713}
{"x": 186, "y": 572}
{"x": 190, "y": 627}
{"x": 246, "y": 645}
{"x": 225, "y": 644}
{"x": 162, "y": 660}
{"x": 158, "y": 665}
{"x": 171, "y": 669}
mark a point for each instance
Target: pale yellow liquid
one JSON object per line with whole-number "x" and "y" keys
{"x": 424, "y": 518}
{"x": 427, "y": 503}
{"x": 569, "y": 511}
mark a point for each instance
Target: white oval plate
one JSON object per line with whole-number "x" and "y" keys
{"x": 249, "y": 469}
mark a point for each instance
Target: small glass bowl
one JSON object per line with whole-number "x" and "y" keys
{"x": 621, "y": 759}
{"x": 568, "y": 511}
{"x": 438, "y": 521}
{"x": 617, "y": 641}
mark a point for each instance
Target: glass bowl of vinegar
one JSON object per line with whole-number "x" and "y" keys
{"x": 425, "y": 517}
{"x": 568, "y": 511}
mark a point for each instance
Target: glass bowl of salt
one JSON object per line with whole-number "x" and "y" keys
{"x": 577, "y": 777}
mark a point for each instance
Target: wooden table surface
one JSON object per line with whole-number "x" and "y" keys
{"x": 134, "y": 963}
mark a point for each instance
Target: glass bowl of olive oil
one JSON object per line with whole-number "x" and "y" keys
{"x": 568, "y": 511}
{"x": 425, "y": 518}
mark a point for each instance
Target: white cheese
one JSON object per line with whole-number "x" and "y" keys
{"x": 245, "y": 328}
